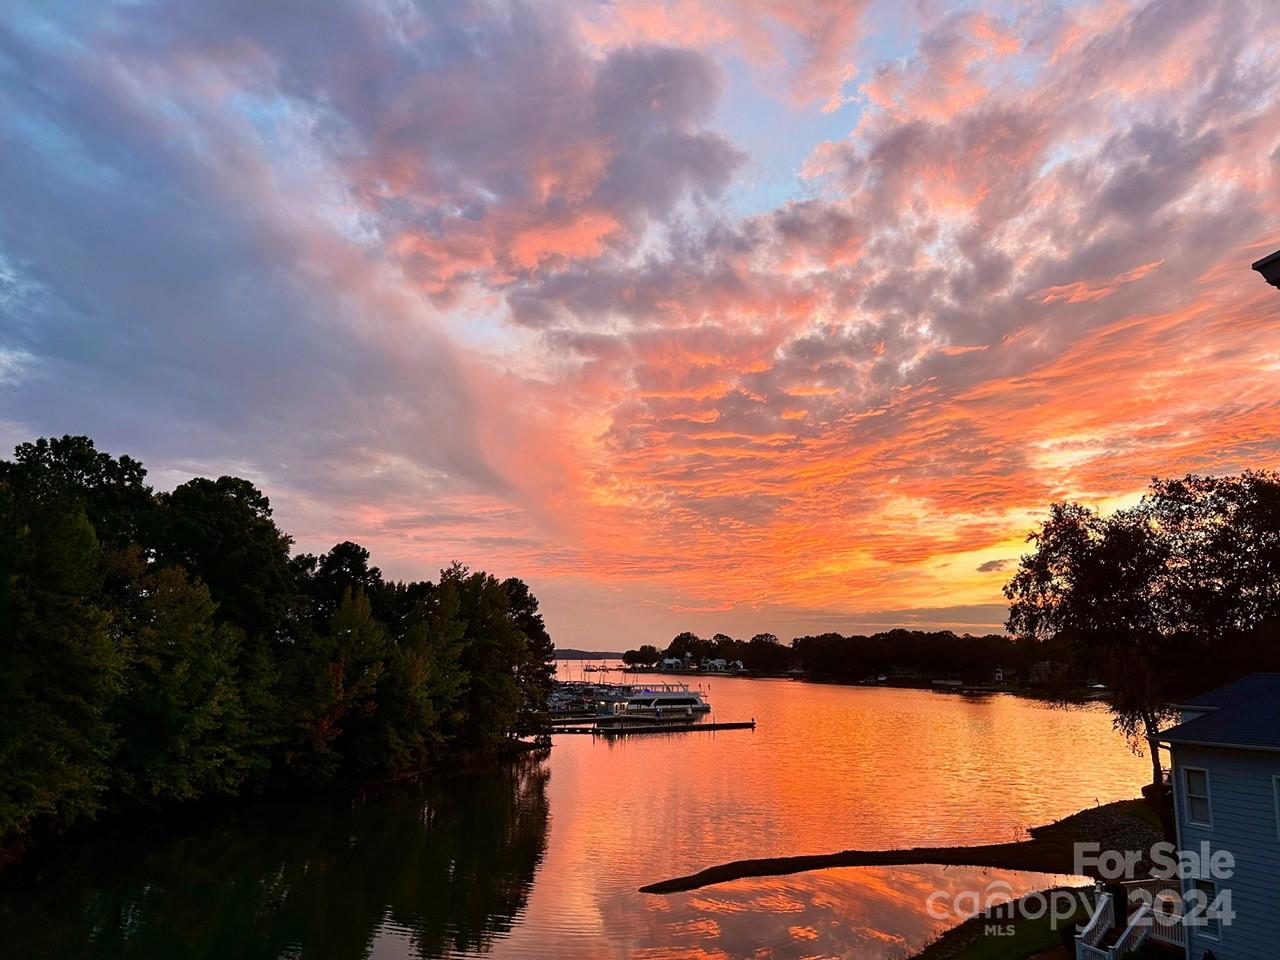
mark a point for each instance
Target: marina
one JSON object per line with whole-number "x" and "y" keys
{"x": 621, "y": 709}
{"x": 579, "y": 698}
{"x": 615, "y": 729}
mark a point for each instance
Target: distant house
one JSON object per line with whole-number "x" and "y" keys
{"x": 717, "y": 665}
{"x": 1041, "y": 670}
{"x": 1226, "y": 788}
{"x": 672, "y": 663}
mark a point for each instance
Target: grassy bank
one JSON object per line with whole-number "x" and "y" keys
{"x": 1022, "y": 937}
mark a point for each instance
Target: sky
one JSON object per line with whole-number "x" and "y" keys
{"x": 695, "y": 314}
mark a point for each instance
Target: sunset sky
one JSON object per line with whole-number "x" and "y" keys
{"x": 740, "y": 316}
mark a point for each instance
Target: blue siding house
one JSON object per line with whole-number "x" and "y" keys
{"x": 1226, "y": 786}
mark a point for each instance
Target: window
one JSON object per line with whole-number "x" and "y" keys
{"x": 1205, "y": 911}
{"x": 1196, "y": 784}
{"x": 1275, "y": 788}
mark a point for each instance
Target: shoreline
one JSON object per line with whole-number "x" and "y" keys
{"x": 1073, "y": 696}
{"x": 1124, "y": 825}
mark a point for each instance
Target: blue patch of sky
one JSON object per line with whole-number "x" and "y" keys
{"x": 57, "y": 146}
{"x": 755, "y": 113}
{"x": 758, "y": 114}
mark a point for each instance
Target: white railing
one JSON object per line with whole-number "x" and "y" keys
{"x": 1169, "y": 928}
{"x": 1103, "y": 919}
{"x": 1158, "y": 915}
{"x": 1153, "y": 887}
{"x": 1137, "y": 930}
{"x": 1165, "y": 900}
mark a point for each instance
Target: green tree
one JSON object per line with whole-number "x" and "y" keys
{"x": 493, "y": 647}
{"x": 536, "y": 668}
{"x": 60, "y": 666}
{"x": 183, "y": 730}
{"x": 162, "y": 647}
{"x": 421, "y": 686}
{"x": 222, "y": 533}
{"x": 345, "y": 567}
{"x": 112, "y": 491}
{"x": 331, "y": 682}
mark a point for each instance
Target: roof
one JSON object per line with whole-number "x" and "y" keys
{"x": 1243, "y": 715}
{"x": 1258, "y": 265}
{"x": 1229, "y": 694}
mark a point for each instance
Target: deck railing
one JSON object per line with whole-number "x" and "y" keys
{"x": 1088, "y": 939}
{"x": 1151, "y": 908}
{"x": 1165, "y": 900}
{"x": 1139, "y": 929}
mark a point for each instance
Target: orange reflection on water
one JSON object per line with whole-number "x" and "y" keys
{"x": 827, "y": 768}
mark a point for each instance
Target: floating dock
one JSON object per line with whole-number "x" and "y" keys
{"x": 649, "y": 726}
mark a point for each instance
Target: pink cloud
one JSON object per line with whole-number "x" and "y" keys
{"x": 1082, "y": 291}
{"x": 510, "y": 316}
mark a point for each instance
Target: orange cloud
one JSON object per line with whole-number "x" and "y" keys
{"x": 1082, "y": 291}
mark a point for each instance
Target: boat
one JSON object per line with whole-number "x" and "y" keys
{"x": 674, "y": 700}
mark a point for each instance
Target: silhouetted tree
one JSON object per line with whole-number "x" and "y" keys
{"x": 646, "y": 656}
{"x": 1160, "y": 600}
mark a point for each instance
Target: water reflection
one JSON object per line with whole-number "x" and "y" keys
{"x": 545, "y": 860}
{"x": 870, "y": 913}
{"x": 430, "y": 871}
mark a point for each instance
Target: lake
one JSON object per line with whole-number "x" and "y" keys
{"x": 543, "y": 858}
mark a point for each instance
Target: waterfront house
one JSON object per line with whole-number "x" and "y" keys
{"x": 1225, "y": 763}
{"x": 1225, "y": 777}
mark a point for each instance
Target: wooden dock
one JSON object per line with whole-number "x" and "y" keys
{"x": 628, "y": 729}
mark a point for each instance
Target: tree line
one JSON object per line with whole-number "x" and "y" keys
{"x": 834, "y": 656}
{"x": 167, "y": 646}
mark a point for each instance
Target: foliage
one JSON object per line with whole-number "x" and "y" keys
{"x": 1167, "y": 598}
{"x": 833, "y": 656}
{"x": 911, "y": 654}
{"x": 646, "y": 656}
{"x": 160, "y": 647}
{"x": 183, "y": 730}
{"x": 61, "y": 665}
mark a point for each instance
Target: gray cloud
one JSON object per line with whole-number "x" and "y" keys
{"x": 991, "y": 566}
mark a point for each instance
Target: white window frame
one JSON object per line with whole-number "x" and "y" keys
{"x": 1186, "y": 796}
{"x": 1202, "y": 928}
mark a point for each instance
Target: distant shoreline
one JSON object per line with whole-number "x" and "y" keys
{"x": 1073, "y": 696}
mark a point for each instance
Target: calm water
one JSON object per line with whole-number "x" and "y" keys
{"x": 543, "y": 858}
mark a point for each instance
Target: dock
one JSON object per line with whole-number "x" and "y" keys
{"x": 649, "y": 726}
